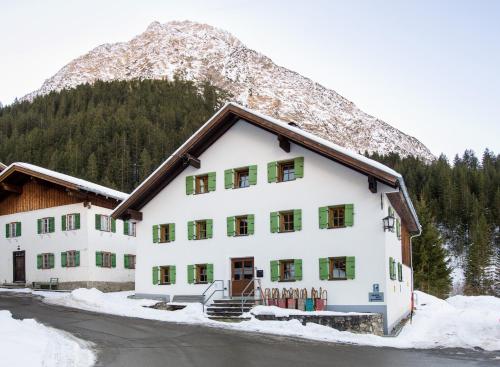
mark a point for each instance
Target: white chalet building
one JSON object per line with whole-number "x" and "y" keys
{"x": 59, "y": 227}
{"x": 249, "y": 197}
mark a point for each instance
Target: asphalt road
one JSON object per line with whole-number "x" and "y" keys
{"x": 121, "y": 341}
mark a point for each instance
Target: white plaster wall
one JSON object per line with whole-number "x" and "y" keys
{"x": 325, "y": 183}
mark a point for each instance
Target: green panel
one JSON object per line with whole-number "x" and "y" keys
{"x": 274, "y": 220}
{"x": 172, "y": 271}
{"x": 77, "y": 258}
{"x": 125, "y": 227}
{"x": 324, "y": 269}
{"x": 113, "y": 225}
{"x": 272, "y": 171}
{"x": 299, "y": 167}
{"x": 190, "y": 274}
{"x": 51, "y": 261}
{"x": 189, "y": 185}
{"x": 126, "y": 261}
{"x": 349, "y": 215}
{"x": 98, "y": 222}
{"x": 191, "y": 233}
{"x": 98, "y": 258}
{"x": 229, "y": 179}
{"x": 113, "y": 260}
{"x": 52, "y": 224}
{"x": 77, "y": 221}
{"x": 39, "y": 226}
{"x": 230, "y": 226}
{"x": 7, "y": 232}
{"x": 63, "y": 223}
{"x": 64, "y": 256}
{"x": 210, "y": 273}
{"x": 210, "y": 228}
{"x": 323, "y": 217}
{"x": 18, "y": 229}
{"x": 211, "y": 181}
{"x": 251, "y": 223}
{"x": 156, "y": 237}
{"x": 398, "y": 228}
{"x": 275, "y": 270}
{"x": 350, "y": 265}
{"x": 252, "y": 175}
{"x": 171, "y": 231}
{"x": 155, "y": 271}
{"x": 391, "y": 268}
{"x": 298, "y": 269}
{"x": 297, "y": 219}
{"x": 39, "y": 261}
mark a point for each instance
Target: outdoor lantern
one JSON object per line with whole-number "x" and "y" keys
{"x": 389, "y": 223}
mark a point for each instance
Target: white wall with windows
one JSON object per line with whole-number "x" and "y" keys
{"x": 324, "y": 183}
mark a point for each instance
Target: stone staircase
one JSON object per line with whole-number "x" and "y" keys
{"x": 229, "y": 310}
{"x": 13, "y": 285}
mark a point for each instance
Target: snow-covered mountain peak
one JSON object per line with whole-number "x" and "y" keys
{"x": 201, "y": 52}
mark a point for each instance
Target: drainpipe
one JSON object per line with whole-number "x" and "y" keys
{"x": 411, "y": 267}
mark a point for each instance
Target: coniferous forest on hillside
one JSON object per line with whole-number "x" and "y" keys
{"x": 116, "y": 133}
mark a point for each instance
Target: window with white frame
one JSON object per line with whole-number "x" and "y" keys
{"x": 45, "y": 225}
{"x": 71, "y": 259}
{"x": 71, "y": 222}
{"x": 105, "y": 223}
{"x": 13, "y": 229}
{"x": 130, "y": 228}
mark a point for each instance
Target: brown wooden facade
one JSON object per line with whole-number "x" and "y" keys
{"x": 405, "y": 246}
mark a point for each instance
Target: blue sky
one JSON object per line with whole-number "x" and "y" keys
{"x": 430, "y": 68}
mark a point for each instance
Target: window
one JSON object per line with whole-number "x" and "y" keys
{"x": 13, "y": 229}
{"x": 164, "y": 274}
{"x": 105, "y": 223}
{"x": 105, "y": 259}
{"x": 201, "y": 229}
{"x": 129, "y": 228}
{"x": 70, "y": 222}
{"x": 46, "y": 225}
{"x": 201, "y": 273}
{"x": 45, "y": 261}
{"x": 336, "y": 217}
{"x": 242, "y": 226}
{"x": 286, "y": 222}
{"x": 129, "y": 261}
{"x": 165, "y": 233}
{"x": 338, "y": 268}
{"x": 71, "y": 259}
{"x": 201, "y": 184}
{"x": 242, "y": 178}
{"x": 286, "y": 171}
{"x": 287, "y": 270}
{"x": 237, "y": 178}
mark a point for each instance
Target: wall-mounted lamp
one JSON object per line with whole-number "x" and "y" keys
{"x": 389, "y": 223}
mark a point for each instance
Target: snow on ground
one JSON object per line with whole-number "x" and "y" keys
{"x": 458, "y": 322}
{"x": 29, "y": 343}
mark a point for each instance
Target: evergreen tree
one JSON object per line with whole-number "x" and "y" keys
{"x": 479, "y": 256}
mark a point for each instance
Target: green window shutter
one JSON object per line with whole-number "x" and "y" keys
{"x": 275, "y": 270}
{"x": 98, "y": 258}
{"x": 113, "y": 260}
{"x": 189, "y": 185}
{"x": 350, "y": 266}
{"x": 323, "y": 217}
{"x": 39, "y": 226}
{"x": 230, "y": 226}
{"x": 155, "y": 275}
{"x": 297, "y": 219}
{"x": 39, "y": 261}
{"x": 171, "y": 231}
{"x": 63, "y": 223}
{"x": 400, "y": 272}
{"x": 51, "y": 261}
{"x": 113, "y": 225}
{"x": 274, "y": 220}
{"x": 211, "y": 181}
{"x": 349, "y": 215}
{"x": 77, "y": 221}
{"x": 7, "y": 232}
{"x": 391, "y": 268}
{"x": 156, "y": 237}
{"x": 251, "y": 223}
{"x": 125, "y": 227}
{"x": 298, "y": 269}
{"x": 324, "y": 268}
{"x": 398, "y": 228}
{"x": 77, "y": 258}
{"x": 210, "y": 273}
{"x": 190, "y": 275}
{"x": 52, "y": 225}
{"x": 18, "y": 229}
{"x": 98, "y": 222}
{"x": 229, "y": 179}
{"x": 172, "y": 271}
{"x": 252, "y": 175}
{"x": 299, "y": 167}
{"x": 272, "y": 171}
{"x": 64, "y": 256}
{"x": 210, "y": 228}
{"x": 191, "y": 233}
{"x": 126, "y": 261}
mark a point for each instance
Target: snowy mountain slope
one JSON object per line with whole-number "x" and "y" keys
{"x": 201, "y": 52}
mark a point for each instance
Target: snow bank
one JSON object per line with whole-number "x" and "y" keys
{"x": 285, "y": 312}
{"x": 29, "y": 343}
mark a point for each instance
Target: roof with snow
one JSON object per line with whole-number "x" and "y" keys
{"x": 223, "y": 120}
{"x": 61, "y": 179}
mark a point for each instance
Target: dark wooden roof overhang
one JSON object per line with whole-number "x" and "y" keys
{"x": 213, "y": 130}
{"x": 2, "y": 166}
{"x": 400, "y": 205}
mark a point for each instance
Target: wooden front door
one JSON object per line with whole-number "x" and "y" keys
{"x": 19, "y": 266}
{"x": 242, "y": 273}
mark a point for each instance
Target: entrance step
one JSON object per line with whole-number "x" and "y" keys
{"x": 188, "y": 298}
{"x": 229, "y": 310}
{"x": 13, "y": 285}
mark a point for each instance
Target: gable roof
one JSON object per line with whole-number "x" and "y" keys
{"x": 61, "y": 179}
{"x": 2, "y": 166}
{"x": 222, "y": 121}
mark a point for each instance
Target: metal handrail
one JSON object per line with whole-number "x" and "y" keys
{"x": 205, "y": 299}
{"x": 244, "y": 297}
